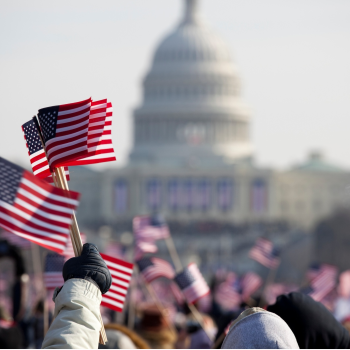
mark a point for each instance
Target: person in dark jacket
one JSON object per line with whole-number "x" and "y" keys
{"x": 312, "y": 324}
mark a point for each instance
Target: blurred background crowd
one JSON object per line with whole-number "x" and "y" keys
{"x": 193, "y": 160}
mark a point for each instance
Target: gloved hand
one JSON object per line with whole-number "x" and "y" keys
{"x": 89, "y": 266}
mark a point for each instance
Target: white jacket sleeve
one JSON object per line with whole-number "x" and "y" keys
{"x": 76, "y": 324}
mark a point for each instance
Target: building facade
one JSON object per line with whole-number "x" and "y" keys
{"x": 192, "y": 157}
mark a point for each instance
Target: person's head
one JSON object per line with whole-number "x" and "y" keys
{"x": 313, "y": 325}
{"x": 256, "y": 328}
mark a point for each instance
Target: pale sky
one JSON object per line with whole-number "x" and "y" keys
{"x": 293, "y": 58}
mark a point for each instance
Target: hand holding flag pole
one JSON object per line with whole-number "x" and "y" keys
{"x": 61, "y": 182}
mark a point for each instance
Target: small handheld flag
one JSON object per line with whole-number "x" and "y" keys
{"x": 227, "y": 293}
{"x": 250, "y": 283}
{"x": 150, "y": 228}
{"x": 265, "y": 253}
{"x": 322, "y": 280}
{"x": 37, "y": 156}
{"x": 152, "y": 268}
{"x": 121, "y": 272}
{"x": 33, "y": 209}
{"x": 142, "y": 248}
{"x": 192, "y": 283}
{"x": 99, "y": 142}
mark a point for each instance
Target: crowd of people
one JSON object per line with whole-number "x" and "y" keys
{"x": 295, "y": 320}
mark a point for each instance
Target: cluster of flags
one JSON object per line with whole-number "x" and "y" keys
{"x": 77, "y": 133}
{"x": 121, "y": 272}
{"x": 147, "y": 230}
{"x": 265, "y": 253}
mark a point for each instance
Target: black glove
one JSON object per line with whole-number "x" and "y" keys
{"x": 89, "y": 266}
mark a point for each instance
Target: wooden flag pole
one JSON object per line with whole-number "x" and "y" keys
{"x": 61, "y": 182}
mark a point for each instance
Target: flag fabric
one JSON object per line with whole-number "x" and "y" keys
{"x": 265, "y": 253}
{"x": 53, "y": 271}
{"x": 99, "y": 140}
{"x": 37, "y": 156}
{"x": 69, "y": 251}
{"x": 250, "y": 283}
{"x": 322, "y": 280}
{"x": 152, "y": 268}
{"x": 15, "y": 240}
{"x": 121, "y": 272}
{"x": 33, "y": 209}
{"x": 150, "y": 228}
{"x": 344, "y": 284}
{"x": 65, "y": 131}
{"x": 143, "y": 247}
{"x": 192, "y": 283}
{"x": 227, "y": 294}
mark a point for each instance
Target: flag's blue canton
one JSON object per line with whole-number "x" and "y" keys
{"x": 275, "y": 252}
{"x": 10, "y": 177}
{"x": 144, "y": 263}
{"x": 54, "y": 262}
{"x": 157, "y": 221}
{"x": 184, "y": 279}
{"x": 48, "y": 121}
{"x": 32, "y": 137}
{"x": 315, "y": 266}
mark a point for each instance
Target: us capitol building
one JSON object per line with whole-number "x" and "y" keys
{"x": 192, "y": 157}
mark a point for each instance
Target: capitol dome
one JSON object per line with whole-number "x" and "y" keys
{"x": 191, "y": 111}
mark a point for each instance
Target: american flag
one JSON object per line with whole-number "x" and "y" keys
{"x": 265, "y": 253}
{"x": 227, "y": 293}
{"x": 53, "y": 271}
{"x": 322, "y": 280}
{"x": 152, "y": 268}
{"x": 144, "y": 247}
{"x": 250, "y": 283}
{"x": 33, "y": 209}
{"x": 37, "y": 156}
{"x": 150, "y": 228}
{"x": 100, "y": 147}
{"x": 65, "y": 131}
{"x": 121, "y": 272}
{"x": 16, "y": 240}
{"x": 192, "y": 283}
{"x": 69, "y": 251}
